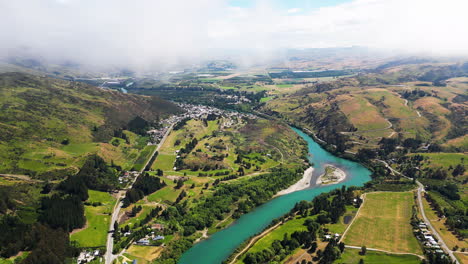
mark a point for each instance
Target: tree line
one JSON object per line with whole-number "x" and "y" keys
{"x": 144, "y": 185}
{"x": 328, "y": 207}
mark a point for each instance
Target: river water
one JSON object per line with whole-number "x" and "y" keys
{"x": 221, "y": 244}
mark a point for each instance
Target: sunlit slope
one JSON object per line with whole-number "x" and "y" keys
{"x": 49, "y": 124}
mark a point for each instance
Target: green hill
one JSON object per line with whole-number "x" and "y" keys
{"x": 49, "y": 125}
{"x": 402, "y": 102}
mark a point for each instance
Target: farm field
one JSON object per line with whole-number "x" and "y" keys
{"x": 463, "y": 258}
{"x": 384, "y": 223}
{"x": 97, "y": 221}
{"x": 374, "y": 257}
{"x": 143, "y": 254}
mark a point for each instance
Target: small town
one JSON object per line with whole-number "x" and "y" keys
{"x": 194, "y": 112}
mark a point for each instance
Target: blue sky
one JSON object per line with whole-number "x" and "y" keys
{"x": 303, "y": 5}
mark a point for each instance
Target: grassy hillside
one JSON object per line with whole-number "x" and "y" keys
{"x": 254, "y": 145}
{"x": 412, "y": 101}
{"x": 49, "y": 125}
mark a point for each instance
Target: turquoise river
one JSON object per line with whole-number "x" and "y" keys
{"x": 220, "y": 245}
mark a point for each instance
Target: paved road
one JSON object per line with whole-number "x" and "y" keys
{"x": 428, "y": 223}
{"x": 109, "y": 257}
{"x": 385, "y": 251}
{"x": 426, "y": 220}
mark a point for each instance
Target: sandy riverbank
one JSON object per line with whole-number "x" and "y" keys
{"x": 302, "y": 184}
{"x": 332, "y": 175}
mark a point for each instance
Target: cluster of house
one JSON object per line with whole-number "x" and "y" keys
{"x": 427, "y": 239}
{"x": 202, "y": 111}
{"x": 235, "y": 99}
{"x": 194, "y": 112}
{"x": 146, "y": 241}
{"x": 158, "y": 134}
{"x": 87, "y": 256}
{"x": 128, "y": 176}
{"x": 329, "y": 237}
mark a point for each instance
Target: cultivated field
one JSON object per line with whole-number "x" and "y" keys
{"x": 384, "y": 223}
{"x": 143, "y": 254}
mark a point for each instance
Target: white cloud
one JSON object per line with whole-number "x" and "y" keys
{"x": 155, "y": 32}
{"x": 294, "y": 10}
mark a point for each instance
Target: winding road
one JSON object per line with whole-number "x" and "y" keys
{"x": 109, "y": 256}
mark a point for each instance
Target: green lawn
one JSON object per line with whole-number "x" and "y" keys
{"x": 352, "y": 256}
{"x": 384, "y": 223}
{"x": 266, "y": 99}
{"x": 164, "y": 162}
{"x": 95, "y": 233}
{"x": 167, "y": 193}
{"x": 103, "y": 197}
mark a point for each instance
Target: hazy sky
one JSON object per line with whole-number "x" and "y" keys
{"x": 152, "y": 32}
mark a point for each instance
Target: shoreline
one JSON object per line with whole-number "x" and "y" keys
{"x": 337, "y": 174}
{"x": 302, "y": 184}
